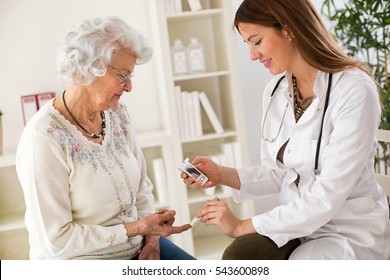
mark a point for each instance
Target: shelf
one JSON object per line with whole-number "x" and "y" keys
{"x": 199, "y": 196}
{"x": 188, "y": 15}
{"x": 211, "y": 136}
{"x": 7, "y": 160}
{"x": 12, "y": 221}
{"x": 201, "y": 76}
{"x": 149, "y": 139}
{"x": 221, "y": 85}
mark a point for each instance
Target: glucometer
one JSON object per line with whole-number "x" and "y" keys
{"x": 195, "y": 221}
{"x": 191, "y": 170}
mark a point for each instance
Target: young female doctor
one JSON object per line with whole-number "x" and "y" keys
{"x": 320, "y": 115}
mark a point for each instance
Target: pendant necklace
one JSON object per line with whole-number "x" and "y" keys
{"x": 92, "y": 135}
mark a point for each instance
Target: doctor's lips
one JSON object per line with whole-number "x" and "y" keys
{"x": 266, "y": 63}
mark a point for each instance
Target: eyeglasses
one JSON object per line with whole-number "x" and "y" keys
{"x": 270, "y": 138}
{"x": 122, "y": 78}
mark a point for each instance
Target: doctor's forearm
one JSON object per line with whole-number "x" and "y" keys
{"x": 243, "y": 228}
{"x": 230, "y": 177}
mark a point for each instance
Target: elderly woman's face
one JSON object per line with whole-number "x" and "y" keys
{"x": 117, "y": 79}
{"x": 272, "y": 48}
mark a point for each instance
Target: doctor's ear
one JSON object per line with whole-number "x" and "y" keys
{"x": 288, "y": 33}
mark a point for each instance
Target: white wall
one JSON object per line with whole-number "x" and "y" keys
{"x": 30, "y": 33}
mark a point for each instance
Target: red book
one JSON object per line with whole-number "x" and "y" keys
{"x": 29, "y": 107}
{"x": 42, "y": 98}
{"x": 31, "y": 104}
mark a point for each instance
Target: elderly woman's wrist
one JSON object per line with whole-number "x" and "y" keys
{"x": 136, "y": 228}
{"x": 153, "y": 239}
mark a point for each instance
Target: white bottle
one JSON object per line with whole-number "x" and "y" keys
{"x": 179, "y": 58}
{"x": 195, "y": 55}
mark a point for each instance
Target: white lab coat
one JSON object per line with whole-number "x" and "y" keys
{"x": 342, "y": 212}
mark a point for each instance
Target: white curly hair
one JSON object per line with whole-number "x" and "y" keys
{"x": 88, "y": 48}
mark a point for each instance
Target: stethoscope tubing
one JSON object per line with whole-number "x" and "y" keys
{"x": 316, "y": 171}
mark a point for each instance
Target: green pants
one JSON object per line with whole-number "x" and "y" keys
{"x": 258, "y": 247}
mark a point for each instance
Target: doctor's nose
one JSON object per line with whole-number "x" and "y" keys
{"x": 254, "y": 55}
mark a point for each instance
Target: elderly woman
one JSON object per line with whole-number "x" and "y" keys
{"x": 82, "y": 171}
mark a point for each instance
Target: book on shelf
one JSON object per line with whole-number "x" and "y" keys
{"x": 195, "y": 5}
{"x": 189, "y": 112}
{"x": 33, "y": 102}
{"x": 180, "y": 111}
{"x": 160, "y": 180}
{"x": 173, "y": 6}
{"x": 230, "y": 156}
{"x": 178, "y": 6}
{"x": 197, "y": 114}
{"x": 186, "y": 117}
{"x": 42, "y": 98}
{"x": 212, "y": 116}
{"x": 189, "y": 108}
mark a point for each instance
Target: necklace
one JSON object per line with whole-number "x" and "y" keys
{"x": 92, "y": 135}
{"x": 300, "y": 106}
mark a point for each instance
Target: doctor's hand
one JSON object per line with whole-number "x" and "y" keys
{"x": 218, "y": 213}
{"x": 209, "y": 168}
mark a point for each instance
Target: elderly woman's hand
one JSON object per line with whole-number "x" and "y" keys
{"x": 159, "y": 224}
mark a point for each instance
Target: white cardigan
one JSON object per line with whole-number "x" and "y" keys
{"x": 342, "y": 210}
{"x": 78, "y": 193}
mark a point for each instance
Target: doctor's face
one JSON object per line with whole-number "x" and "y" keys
{"x": 271, "y": 47}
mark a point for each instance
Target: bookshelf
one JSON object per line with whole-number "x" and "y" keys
{"x": 13, "y": 234}
{"x": 212, "y": 26}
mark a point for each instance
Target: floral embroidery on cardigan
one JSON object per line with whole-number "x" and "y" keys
{"x": 118, "y": 145}
{"x": 76, "y": 150}
{"x": 111, "y": 239}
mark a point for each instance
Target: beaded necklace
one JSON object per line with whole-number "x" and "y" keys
{"x": 298, "y": 108}
{"x": 90, "y": 134}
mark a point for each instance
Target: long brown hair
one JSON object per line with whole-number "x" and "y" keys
{"x": 313, "y": 40}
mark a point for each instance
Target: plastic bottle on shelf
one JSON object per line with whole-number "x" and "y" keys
{"x": 179, "y": 58}
{"x": 195, "y": 56}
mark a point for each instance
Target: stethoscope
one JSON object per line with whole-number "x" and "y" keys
{"x": 272, "y": 139}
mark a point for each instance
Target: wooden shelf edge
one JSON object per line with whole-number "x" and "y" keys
{"x": 194, "y": 14}
{"x": 12, "y": 221}
{"x": 7, "y": 159}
